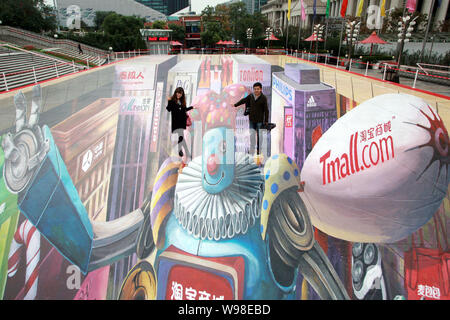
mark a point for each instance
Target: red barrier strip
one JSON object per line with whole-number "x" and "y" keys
{"x": 262, "y": 51}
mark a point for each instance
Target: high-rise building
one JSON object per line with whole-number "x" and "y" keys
{"x": 177, "y": 5}
{"x": 254, "y": 5}
{"x": 167, "y": 7}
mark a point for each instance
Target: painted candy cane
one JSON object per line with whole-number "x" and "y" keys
{"x": 26, "y": 235}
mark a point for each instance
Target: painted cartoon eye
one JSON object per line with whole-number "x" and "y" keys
{"x": 441, "y": 142}
{"x": 222, "y": 147}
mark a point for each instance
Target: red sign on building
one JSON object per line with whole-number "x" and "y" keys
{"x": 158, "y": 38}
{"x": 288, "y": 121}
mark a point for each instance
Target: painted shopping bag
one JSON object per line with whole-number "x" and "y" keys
{"x": 427, "y": 270}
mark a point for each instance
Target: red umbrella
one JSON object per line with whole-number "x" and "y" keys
{"x": 373, "y": 38}
{"x": 220, "y": 42}
{"x": 272, "y": 37}
{"x": 175, "y": 43}
{"x": 313, "y": 37}
{"x": 228, "y": 42}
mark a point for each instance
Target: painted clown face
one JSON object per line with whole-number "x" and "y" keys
{"x": 218, "y": 159}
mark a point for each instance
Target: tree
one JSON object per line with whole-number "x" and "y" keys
{"x": 257, "y": 22}
{"x": 224, "y": 22}
{"x": 158, "y": 24}
{"x": 215, "y": 27}
{"x": 31, "y": 15}
{"x": 212, "y": 34}
{"x": 100, "y": 17}
{"x": 178, "y": 32}
{"x": 239, "y": 19}
{"x": 123, "y": 32}
{"x": 223, "y": 15}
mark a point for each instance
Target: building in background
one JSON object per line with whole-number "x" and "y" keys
{"x": 68, "y": 10}
{"x": 276, "y": 13}
{"x": 440, "y": 12}
{"x": 193, "y": 27}
{"x": 255, "y": 5}
{"x": 158, "y": 5}
{"x": 166, "y": 7}
{"x": 157, "y": 40}
{"x": 197, "y": 6}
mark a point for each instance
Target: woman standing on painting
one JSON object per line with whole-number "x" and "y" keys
{"x": 177, "y": 107}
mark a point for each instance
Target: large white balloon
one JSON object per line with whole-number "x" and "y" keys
{"x": 379, "y": 172}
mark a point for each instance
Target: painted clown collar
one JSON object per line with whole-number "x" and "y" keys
{"x": 223, "y": 215}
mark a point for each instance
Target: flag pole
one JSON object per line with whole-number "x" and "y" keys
{"x": 340, "y": 39}
{"x": 426, "y": 32}
{"x": 288, "y": 17}
{"x": 287, "y": 35}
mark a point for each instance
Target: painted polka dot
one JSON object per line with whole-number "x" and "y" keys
{"x": 274, "y": 188}
{"x": 267, "y": 174}
{"x": 286, "y": 175}
{"x": 265, "y": 204}
{"x": 295, "y": 172}
{"x": 289, "y": 160}
{"x": 262, "y": 228}
{"x": 275, "y": 157}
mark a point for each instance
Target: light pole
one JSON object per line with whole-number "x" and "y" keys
{"x": 424, "y": 43}
{"x": 340, "y": 43}
{"x": 55, "y": 7}
{"x": 268, "y": 34}
{"x": 299, "y": 34}
{"x": 318, "y": 31}
{"x": 110, "y": 55}
{"x": 249, "y": 36}
{"x": 405, "y": 27}
{"x": 352, "y": 31}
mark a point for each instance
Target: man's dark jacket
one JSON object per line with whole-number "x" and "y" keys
{"x": 259, "y": 111}
{"x": 178, "y": 114}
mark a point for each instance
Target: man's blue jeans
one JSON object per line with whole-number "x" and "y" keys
{"x": 255, "y": 130}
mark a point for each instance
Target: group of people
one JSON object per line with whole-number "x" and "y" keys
{"x": 255, "y": 107}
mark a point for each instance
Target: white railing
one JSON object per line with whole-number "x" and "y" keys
{"x": 47, "y": 41}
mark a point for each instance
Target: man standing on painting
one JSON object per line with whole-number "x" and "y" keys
{"x": 258, "y": 113}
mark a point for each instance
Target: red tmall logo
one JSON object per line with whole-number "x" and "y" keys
{"x": 351, "y": 162}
